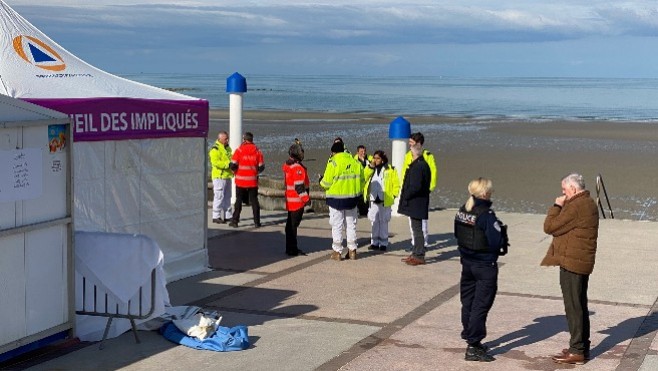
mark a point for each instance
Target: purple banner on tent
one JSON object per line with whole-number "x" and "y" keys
{"x": 94, "y": 119}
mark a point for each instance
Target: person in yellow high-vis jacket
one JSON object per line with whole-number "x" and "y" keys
{"x": 343, "y": 183}
{"x": 220, "y": 157}
{"x": 365, "y": 160}
{"x": 382, "y": 185}
{"x": 417, "y": 139}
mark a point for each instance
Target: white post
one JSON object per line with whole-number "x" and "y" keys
{"x": 398, "y": 151}
{"x": 236, "y": 85}
{"x": 399, "y": 131}
{"x": 235, "y": 128}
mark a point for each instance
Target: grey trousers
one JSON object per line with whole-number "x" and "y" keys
{"x": 418, "y": 249}
{"x": 574, "y": 293}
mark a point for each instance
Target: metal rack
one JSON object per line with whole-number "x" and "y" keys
{"x": 104, "y": 311}
{"x": 600, "y": 186}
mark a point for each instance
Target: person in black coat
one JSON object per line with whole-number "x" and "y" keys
{"x": 415, "y": 201}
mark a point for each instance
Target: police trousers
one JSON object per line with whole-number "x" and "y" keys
{"x": 478, "y": 287}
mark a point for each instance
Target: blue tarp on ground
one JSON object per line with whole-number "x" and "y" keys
{"x": 225, "y": 339}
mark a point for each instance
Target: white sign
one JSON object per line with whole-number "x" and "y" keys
{"x": 21, "y": 174}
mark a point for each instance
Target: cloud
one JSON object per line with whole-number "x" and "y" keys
{"x": 352, "y": 22}
{"x": 347, "y": 33}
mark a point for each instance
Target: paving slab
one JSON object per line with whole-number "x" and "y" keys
{"x": 376, "y": 313}
{"x": 522, "y": 332}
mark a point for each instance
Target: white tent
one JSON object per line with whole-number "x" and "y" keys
{"x": 139, "y": 152}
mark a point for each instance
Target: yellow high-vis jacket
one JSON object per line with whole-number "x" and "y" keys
{"x": 391, "y": 184}
{"x": 220, "y": 157}
{"x": 429, "y": 158}
{"x": 342, "y": 181}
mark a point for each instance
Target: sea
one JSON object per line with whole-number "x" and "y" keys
{"x": 621, "y": 99}
{"x": 474, "y": 102}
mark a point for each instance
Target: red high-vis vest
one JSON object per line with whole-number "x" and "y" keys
{"x": 248, "y": 158}
{"x": 297, "y": 185}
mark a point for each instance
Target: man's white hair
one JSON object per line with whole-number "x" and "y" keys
{"x": 576, "y": 180}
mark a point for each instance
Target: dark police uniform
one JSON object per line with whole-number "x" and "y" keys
{"x": 481, "y": 238}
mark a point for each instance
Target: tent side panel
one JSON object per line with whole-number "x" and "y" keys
{"x": 153, "y": 187}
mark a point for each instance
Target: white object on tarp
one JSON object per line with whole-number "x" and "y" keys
{"x": 200, "y": 326}
{"x": 119, "y": 265}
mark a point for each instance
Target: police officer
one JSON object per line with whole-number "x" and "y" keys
{"x": 343, "y": 183}
{"x": 481, "y": 238}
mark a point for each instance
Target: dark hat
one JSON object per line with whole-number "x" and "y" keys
{"x": 338, "y": 147}
{"x": 297, "y": 152}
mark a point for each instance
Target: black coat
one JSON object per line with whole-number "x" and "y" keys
{"x": 415, "y": 194}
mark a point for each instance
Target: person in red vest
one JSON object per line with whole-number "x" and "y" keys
{"x": 297, "y": 196}
{"x": 246, "y": 163}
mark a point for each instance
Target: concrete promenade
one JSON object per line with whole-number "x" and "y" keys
{"x": 376, "y": 313}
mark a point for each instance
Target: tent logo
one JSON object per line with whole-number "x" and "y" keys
{"x": 38, "y": 53}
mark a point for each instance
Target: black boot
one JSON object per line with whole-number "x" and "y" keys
{"x": 478, "y": 352}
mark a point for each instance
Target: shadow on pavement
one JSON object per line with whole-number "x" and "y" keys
{"x": 546, "y": 327}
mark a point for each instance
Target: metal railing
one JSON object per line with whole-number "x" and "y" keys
{"x": 103, "y": 310}
{"x": 600, "y": 186}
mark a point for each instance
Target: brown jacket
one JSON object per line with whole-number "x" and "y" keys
{"x": 575, "y": 228}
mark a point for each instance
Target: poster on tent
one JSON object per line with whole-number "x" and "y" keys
{"x": 21, "y": 174}
{"x": 56, "y": 138}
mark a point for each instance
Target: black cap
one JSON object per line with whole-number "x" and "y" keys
{"x": 338, "y": 147}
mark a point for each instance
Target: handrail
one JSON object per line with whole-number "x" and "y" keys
{"x": 600, "y": 186}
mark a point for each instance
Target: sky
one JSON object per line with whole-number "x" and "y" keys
{"x": 465, "y": 38}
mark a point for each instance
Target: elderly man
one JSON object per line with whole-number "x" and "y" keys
{"x": 573, "y": 221}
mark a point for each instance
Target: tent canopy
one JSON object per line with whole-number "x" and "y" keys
{"x": 103, "y": 106}
{"x": 139, "y": 152}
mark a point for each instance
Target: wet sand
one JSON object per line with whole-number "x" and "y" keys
{"x": 525, "y": 159}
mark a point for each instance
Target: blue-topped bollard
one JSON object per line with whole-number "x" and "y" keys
{"x": 236, "y": 85}
{"x": 399, "y": 131}
{"x": 399, "y": 128}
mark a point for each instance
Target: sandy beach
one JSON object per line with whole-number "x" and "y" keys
{"x": 525, "y": 159}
